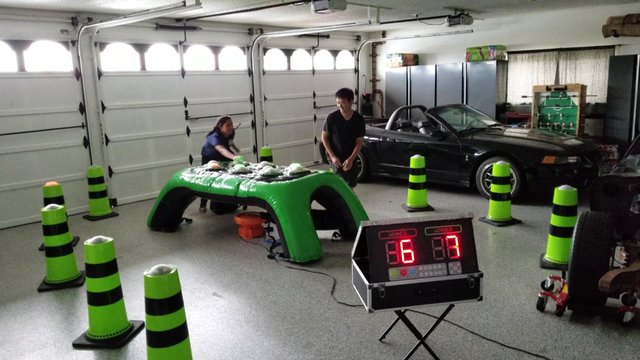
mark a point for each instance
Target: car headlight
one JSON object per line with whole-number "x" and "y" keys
{"x": 559, "y": 160}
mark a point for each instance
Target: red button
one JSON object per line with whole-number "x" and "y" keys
{"x": 403, "y": 272}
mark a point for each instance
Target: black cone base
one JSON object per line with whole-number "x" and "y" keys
{"x": 513, "y": 221}
{"x": 100, "y": 217}
{"x": 83, "y": 342}
{"x": 44, "y": 286}
{"x": 548, "y": 264}
{"x": 416, "y": 209}
{"x": 74, "y": 242}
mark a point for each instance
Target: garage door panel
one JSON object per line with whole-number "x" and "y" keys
{"x": 142, "y": 120}
{"x": 147, "y": 151}
{"x": 35, "y": 91}
{"x": 139, "y": 184}
{"x": 288, "y": 108}
{"x": 294, "y": 151}
{"x": 292, "y": 83}
{"x": 131, "y": 88}
{"x": 37, "y": 119}
{"x": 220, "y": 86}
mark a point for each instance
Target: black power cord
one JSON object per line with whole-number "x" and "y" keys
{"x": 334, "y": 283}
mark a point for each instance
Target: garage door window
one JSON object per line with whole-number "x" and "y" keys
{"x": 8, "y": 60}
{"x": 344, "y": 60}
{"x": 45, "y": 55}
{"x": 119, "y": 57}
{"x": 199, "y": 58}
{"x": 323, "y": 60}
{"x": 275, "y": 60}
{"x": 232, "y": 58}
{"x": 162, "y": 57}
{"x": 301, "y": 60}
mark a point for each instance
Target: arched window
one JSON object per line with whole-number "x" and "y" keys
{"x": 8, "y": 60}
{"x": 162, "y": 57}
{"x": 301, "y": 60}
{"x": 323, "y": 60}
{"x": 232, "y": 58}
{"x": 119, "y": 57}
{"x": 345, "y": 60}
{"x": 199, "y": 58}
{"x": 275, "y": 59}
{"x": 45, "y": 55}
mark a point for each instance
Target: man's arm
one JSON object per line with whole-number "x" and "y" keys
{"x": 327, "y": 147}
{"x": 356, "y": 150}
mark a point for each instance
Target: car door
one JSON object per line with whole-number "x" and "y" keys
{"x": 443, "y": 156}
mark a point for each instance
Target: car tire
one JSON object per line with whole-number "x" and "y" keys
{"x": 483, "y": 173}
{"x": 589, "y": 259}
{"x": 363, "y": 167}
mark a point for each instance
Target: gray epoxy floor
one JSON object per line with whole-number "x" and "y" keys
{"x": 242, "y": 305}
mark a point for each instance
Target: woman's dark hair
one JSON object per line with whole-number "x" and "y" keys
{"x": 222, "y": 120}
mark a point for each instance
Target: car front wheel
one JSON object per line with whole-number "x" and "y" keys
{"x": 589, "y": 259}
{"x": 483, "y": 177}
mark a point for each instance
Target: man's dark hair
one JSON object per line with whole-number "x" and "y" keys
{"x": 345, "y": 93}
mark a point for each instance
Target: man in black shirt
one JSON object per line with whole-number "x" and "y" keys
{"x": 343, "y": 136}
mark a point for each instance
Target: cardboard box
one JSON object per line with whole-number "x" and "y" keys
{"x": 398, "y": 60}
{"x": 486, "y": 53}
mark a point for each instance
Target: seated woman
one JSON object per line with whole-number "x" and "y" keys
{"x": 217, "y": 146}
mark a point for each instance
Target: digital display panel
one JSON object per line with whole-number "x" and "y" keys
{"x": 422, "y": 249}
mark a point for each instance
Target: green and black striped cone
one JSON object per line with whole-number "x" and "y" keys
{"x": 266, "y": 154}
{"x": 167, "y": 332}
{"x": 417, "y": 193}
{"x": 109, "y": 327}
{"x": 99, "y": 205}
{"x": 52, "y": 194}
{"x": 564, "y": 215}
{"x": 499, "y": 213}
{"x": 62, "y": 270}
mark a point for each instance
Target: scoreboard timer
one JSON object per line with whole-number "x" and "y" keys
{"x": 416, "y": 261}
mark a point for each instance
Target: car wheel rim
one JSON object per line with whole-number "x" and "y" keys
{"x": 486, "y": 179}
{"x": 359, "y": 167}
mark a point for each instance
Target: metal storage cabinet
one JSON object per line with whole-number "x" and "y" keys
{"x": 487, "y": 86}
{"x": 423, "y": 85}
{"x": 621, "y": 122}
{"x": 449, "y": 81}
{"x": 396, "y": 89}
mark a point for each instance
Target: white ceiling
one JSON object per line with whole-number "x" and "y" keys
{"x": 301, "y": 16}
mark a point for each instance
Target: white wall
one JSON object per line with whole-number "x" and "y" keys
{"x": 579, "y": 27}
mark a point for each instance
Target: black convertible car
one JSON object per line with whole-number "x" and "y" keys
{"x": 460, "y": 145}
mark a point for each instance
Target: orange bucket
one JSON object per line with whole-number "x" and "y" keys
{"x": 250, "y": 225}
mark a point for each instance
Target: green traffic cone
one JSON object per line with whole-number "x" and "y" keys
{"x": 108, "y": 323}
{"x": 417, "y": 193}
{"x": 62, "y": 270}
{"x": 99, "y": 205}
{"x": 499, "y": 213}
{"x": 266, "y": 154}
{"x": 167, "y": 332}
{"x": 564, "y": 215}
{"x": 52, "y": 194}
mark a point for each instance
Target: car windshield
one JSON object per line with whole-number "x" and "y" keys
{"x": 463, "y": 118}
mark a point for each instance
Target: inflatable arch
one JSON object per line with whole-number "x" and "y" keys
{"x": 287, "y": 199}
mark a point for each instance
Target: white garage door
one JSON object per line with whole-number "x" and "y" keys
{"x": 42, "y": 139}
{"x": 326, "y": 83}
{"x": 144, "y": 128}
{"x": 211, "y": 94}
{"x": 288, "y": 116}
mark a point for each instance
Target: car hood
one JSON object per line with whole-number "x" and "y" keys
{"x": 535, "y": 138}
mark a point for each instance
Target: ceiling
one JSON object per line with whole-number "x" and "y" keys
{"x": 283, "y": 13}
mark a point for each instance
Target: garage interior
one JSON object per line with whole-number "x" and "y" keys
{"x": 143, "y": 126}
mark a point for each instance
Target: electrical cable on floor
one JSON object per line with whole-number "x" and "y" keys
{"x": 482, "y": 336}
{"x": 274, "y": 256}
